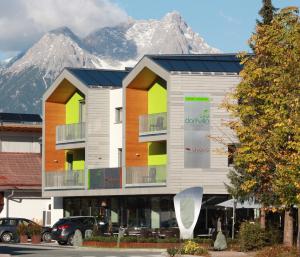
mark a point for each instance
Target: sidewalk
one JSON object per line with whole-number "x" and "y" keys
{"x": 230, "y": 254}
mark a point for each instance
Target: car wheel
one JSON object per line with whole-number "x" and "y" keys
{"x": 71, "y": 240}
{"x": 46, "y": 237}
{"x": 61, "y": 242}
{"x": 6, "y": 237}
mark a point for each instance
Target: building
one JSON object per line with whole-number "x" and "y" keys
{"x": 82, "y": 138}
{"x": 21, "y": 167}
{"x": 174, "y": 137}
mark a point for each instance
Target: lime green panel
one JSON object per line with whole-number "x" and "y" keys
{"x": 157, "y": 99}
{"x": 157, "y": 103}
{"x": 72, "y": 109}
{"x": 78, "y": 159}
{"x": 157, "y": 154}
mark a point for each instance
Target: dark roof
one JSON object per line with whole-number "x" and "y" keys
{"x": 20, "y": 170}
{"x": 228, "y": 63}
{"x": 99, "y": 77}
{"x": 20, "y": 118}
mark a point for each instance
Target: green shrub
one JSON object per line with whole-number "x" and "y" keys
{"x": 206, "y": 241}
{"x": 173, "y": 251}
{"x": 278, "y": 251}
{"x": 273, "y": 236}
{"x": 251, "y": 236}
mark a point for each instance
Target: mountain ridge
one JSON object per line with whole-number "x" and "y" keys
{"x": 24, "y": 79}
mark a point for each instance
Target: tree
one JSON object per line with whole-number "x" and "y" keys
{"x": 267, "y": 105}
{"x": 267, "y": 12}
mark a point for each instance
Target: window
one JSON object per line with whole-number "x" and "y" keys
{"x": 118, "y": 114}
{"x": 231, "y": 152}
{"x": 119, "y": 157}
{"x": 82, "y": 111}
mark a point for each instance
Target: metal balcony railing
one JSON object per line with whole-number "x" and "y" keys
{"x": 105, "y": 178}
{"x": 70, "y": 133}
{"x": 153, "y": 123}
{"x": 146, "y": 175}
{"x": 71, "y": 179}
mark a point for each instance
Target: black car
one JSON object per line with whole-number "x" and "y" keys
{"x": 63, "y": 230}
{"x": 8, "y": 229}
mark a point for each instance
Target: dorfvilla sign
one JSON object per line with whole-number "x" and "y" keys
{"x": 196, "y": 131}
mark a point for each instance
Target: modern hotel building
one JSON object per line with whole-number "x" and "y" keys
{"x": 121, "y": 144}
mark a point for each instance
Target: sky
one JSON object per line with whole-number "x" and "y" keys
{"x": 224, "y": 24}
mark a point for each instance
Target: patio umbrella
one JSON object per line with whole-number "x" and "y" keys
{"x": 239, "y": 205}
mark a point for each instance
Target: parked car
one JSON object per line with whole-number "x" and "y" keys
{"x": 64, "y": 229}
{"x": 8, "y": 229}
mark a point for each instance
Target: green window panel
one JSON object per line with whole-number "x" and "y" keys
{"x": 73, "y": 109}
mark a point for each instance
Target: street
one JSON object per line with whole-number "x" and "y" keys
{"x": 43, "y": 251}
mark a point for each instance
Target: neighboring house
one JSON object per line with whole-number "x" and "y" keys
{"x": 174, "y": 137}
{"x": 21, "y": 167}
{"x": 82, "y": 138}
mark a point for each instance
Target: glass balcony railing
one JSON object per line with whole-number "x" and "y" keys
{"x": 146, "y": 175}
{"x": 153, "y": 123}
{"x": 105, "y": 178}
{"x": 70, "y": 133}
{"x": 71, "y": 179}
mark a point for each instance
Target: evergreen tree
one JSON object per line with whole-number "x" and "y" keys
{"x": 267, "y": 12}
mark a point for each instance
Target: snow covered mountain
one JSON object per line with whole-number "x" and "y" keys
{"x": 24, "y": 79}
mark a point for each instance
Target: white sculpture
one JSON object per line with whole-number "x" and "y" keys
{"x": 187, "y": 205}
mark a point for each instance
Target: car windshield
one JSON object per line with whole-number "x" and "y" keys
{"x": 60, "y": 221}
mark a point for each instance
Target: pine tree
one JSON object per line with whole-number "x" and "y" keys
{"x": 267, "y": 12}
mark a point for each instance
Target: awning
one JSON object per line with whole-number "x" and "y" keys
{"x": 240, "y": 205}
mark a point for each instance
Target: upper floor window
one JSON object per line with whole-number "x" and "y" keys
{"x": 82, "y": 111}
{"x": 231, "y": 152}
{"x": 118, "y": 114}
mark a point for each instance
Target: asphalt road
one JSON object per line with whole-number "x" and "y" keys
{"x": 37, "y": 251}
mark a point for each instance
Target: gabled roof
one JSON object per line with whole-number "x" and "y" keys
{"x": 20, "y": 170}
{"x": 20, "y": 118}
{"x": 99, "y": 77}
{"x": 226, "y": 63}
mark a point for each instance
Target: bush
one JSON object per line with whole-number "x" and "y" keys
{"x": 273, "y": 236}
{"x": 190, "y": 247}
{"x": 173, "y": 251}
{"x": 34, "y": 229}
{"x": 22, "y": 230}
{"x": 251, "y": 237}
{"x": 278, "y": 251}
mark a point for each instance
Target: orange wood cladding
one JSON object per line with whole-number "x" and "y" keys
{"x": 55, "y": 114}
{"x": 136, "y": 105}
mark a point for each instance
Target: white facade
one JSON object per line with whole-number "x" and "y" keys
{"x": 29, "y": 208}
{"x": 24, "y": 142}
{"x": 115, "y": 127}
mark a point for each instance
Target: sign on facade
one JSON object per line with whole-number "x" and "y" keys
{"x": 196, "y": 131}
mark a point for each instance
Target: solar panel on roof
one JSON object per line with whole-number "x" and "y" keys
{"x": 97, "y": 77}
{"x": 199, "y": 63}
{"x": 20, "y": 118}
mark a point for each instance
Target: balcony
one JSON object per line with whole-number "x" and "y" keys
{"x": 70, "y": 134}
{"x": 153, "y": 127}
{"x": 146, "y": 176}
{"x": 71, "y": 179}
{"x": 107, "y": 178}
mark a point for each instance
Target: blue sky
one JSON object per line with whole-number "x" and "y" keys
{"x": 224, "y": 24}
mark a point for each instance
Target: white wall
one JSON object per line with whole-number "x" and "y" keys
{"x": 20, "y": 142}
{"x": 115, "y": 133}
{"x": 29, "y": 208}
